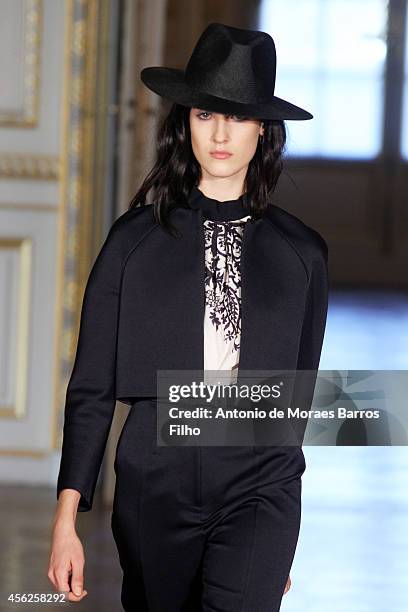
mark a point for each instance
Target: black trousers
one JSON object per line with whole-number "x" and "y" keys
{"x": 211, "y": 529}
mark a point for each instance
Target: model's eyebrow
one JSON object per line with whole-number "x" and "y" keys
{"x": 205, "y": 110}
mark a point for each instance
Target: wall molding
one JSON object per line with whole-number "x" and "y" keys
{"x": 23, "y": 247}
{"x": 84, "y": 113}
{"x": 27, "y": 115}
{"x": 29, "y": 166}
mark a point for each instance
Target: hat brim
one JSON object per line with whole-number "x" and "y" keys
{"x": 170, "y": 83}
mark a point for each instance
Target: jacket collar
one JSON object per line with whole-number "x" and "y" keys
{"x": 216, "y": 210}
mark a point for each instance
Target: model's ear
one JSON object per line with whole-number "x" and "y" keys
{"x": 261, "y": 130}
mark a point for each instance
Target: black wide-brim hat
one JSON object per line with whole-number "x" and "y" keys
{"x": 231, "y": 70}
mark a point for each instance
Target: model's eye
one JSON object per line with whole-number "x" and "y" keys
{"x": 238, "y": 117}
{"x": 208, "y": 114}
{"x": 200, "y": 115}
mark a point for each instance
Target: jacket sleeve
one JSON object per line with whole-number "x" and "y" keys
{"x": 90, "y": 396}
{"x": 314, "y": 324}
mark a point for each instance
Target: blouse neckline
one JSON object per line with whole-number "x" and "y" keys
{"x": 216, "y": 210}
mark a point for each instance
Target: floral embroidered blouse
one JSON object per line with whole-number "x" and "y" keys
{"x": 224, "y": 224}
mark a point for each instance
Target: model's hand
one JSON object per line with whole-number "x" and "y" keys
{"x": 288, "y": 585}
{"x": 66, "y": 567}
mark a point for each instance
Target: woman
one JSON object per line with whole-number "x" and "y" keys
{"x": 211, "y": 275}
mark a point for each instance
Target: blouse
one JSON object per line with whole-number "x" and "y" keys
{"x": 224, "y": 223}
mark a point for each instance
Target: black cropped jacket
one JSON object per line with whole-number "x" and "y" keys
{"x": 143, "y": 310}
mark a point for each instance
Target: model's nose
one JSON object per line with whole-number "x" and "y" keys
{"x": 220, "y": 130}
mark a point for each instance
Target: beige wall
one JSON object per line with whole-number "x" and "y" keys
{"x": 51, "y": 214}
{"x": 31, "y": 135}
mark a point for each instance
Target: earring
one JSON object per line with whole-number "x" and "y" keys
{"x": 261, "y": 136}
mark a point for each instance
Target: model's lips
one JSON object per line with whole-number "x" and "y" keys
{"x": 220, "y": 154}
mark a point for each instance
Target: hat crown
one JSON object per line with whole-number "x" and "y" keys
{"x": 233, "y": 64}
{"x": 231, "y": 70}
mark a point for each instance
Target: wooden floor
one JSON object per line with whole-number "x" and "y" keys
{"x": 352, "y": 554}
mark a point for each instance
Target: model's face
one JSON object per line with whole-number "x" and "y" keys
{"x": 212, "y": 132}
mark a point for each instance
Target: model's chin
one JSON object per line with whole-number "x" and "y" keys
{"x": 220, "y": 168}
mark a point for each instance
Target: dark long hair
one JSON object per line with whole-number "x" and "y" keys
{"x": 176, "y": 169}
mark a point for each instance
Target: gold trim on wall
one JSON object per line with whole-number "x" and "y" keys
{"x": 24, "y": 246}
{"x": 27, "y": 117}
{"x": 84, "y": 63}
{"x": 17, "y": 452}
{"x": 28, "y": 166}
